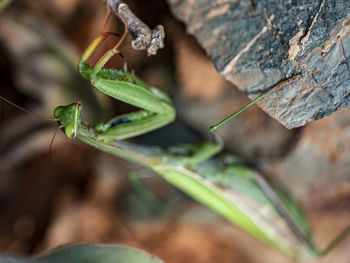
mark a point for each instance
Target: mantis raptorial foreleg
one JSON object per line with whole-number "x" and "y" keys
{"x": 156, "y": 111}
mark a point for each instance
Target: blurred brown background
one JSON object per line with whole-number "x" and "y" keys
{"x": 83, "y": 195}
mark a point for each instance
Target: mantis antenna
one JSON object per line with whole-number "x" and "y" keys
{"x": 27, "y": 111}
{"x": 40, "y": 117}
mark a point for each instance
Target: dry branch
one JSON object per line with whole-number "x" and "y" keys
{"x": 143, "y": 37}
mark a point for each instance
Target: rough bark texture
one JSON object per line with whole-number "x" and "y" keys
{"x": 302, "y": 47}
{"x": 143, "y": 37}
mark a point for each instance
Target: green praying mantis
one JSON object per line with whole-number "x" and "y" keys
{"x": 219, "y": 181}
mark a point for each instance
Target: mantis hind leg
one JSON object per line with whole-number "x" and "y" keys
{"x": 213, "y": 128}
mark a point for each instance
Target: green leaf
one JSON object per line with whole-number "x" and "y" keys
{"x": 90, "y": 253}
{"x": 8, "y": 259}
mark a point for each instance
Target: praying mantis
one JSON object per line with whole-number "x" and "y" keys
{"x": 219, "y": 181}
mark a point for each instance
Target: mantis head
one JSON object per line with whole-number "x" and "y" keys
{"x": 69, "y": 118}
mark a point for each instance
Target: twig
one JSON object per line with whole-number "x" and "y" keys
{"x": 143, "y": 37}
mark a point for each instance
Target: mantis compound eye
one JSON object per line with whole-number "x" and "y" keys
{"x": 58, "y": 111}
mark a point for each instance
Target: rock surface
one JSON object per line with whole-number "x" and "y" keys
{"x": 301, "y": 48}
{"x": 317, "y": 169}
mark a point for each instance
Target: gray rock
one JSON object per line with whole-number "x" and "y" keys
{"x": 301, "y": 48}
